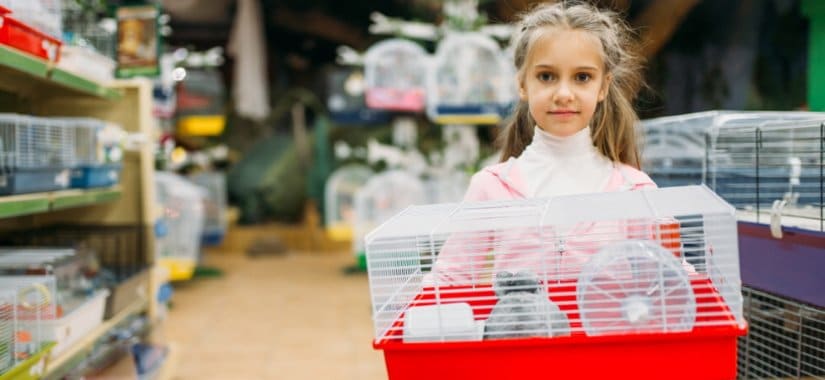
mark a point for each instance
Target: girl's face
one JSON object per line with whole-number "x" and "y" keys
{"x": 563, "y": 79}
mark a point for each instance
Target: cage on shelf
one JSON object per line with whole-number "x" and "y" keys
{"x": 179, "y": 231}
{"x": 23, "y": 342}
{"x": 395, "y": 72}
{"x": 98, "y": 154}
{"x": 36, "y": 154}
{"x": 339, "y": 198}
{"x": 470, "y": 82}
{"x": 383, "y": 196}
{"x": 505, "y": 289}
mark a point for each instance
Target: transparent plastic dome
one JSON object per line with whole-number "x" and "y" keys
{"x": 470, "y": 78}
{"x": 635, "y": 286}
{"x": 339, "y": 195}
{"x": 395, "y": 72}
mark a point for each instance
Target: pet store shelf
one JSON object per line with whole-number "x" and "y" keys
{"x": 27, "y": 204}
{"x": 25, "y": 74}
{"x": 85, "y": 344}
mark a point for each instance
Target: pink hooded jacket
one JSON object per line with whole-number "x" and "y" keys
{"x": 464, "y": 258}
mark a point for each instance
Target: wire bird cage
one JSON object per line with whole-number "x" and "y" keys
{"x": 81, "y": 28}
{"x": 770, "y": 170}
{"x": 545, "y": 286}
{"x": 179, "y": 237}
{"x": 470, "y": 82}
{"x": 395, "y": 71}
{"x": 786, "y": 339}
{"x": 674, "y": 147}
{"x": 383, "y": 196}
{"x": 215, "y": 222}
{"x": 35, "y": 154}
{"x": 43, "y": 15}
{"x": 345, "y": 98}
{"x": 63, "y": 265}
{"x": 339, "y": 199}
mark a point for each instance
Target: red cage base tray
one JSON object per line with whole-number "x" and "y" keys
{"x": 706, "y": 353}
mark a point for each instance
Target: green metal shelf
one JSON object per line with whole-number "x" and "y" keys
{"x": 29, "y": 75}
{"x": 27, "y": 204}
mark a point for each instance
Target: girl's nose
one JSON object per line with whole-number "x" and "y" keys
{"x": 563, "y": 93}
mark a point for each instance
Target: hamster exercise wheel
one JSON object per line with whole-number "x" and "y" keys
{"x": 635, "y": 286}
{"x": 395, "y": 71}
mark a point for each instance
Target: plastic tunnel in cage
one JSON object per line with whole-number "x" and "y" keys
{"x": 395, "y": 72}
{"x": 339, "y": 193}
{"x": 383, "y": 196}
{"x": 470, "y": 81}
{"x": 540, "y": 286}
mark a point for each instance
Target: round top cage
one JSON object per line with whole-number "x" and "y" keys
{"x": 383, "y": 196}
{"x": 395, "y": 71}
{"x": 470, "y": 82}
{"x": 340, "y": 192}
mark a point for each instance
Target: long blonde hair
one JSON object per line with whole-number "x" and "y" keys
{"x": 614, "y": 121}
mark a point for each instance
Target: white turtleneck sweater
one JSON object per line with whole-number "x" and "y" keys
{"x": 554, "y": 166}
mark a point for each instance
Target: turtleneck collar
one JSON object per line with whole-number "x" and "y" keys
{"x": 544, "y": 143}
{"x": 556, "y": 165}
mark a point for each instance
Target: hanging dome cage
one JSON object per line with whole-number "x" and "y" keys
{"x": 395, "y": 72}
{"x": 471, "y": 82}
{"x": 340, "y": 192}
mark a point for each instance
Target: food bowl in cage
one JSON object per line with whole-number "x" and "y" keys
{"x": 559, "y": 284}
{"x": 384, "y": 195}
{"x": 339, "y": 199}
{"x": 471, "y": 82}
{"x": 395, "y": 72}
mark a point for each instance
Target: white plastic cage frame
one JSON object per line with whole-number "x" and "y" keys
{"x": 339, "y": 199}
{"x": 182, "y": 203}
{"x": 786, "y": 338}
{"x": 395, "y": 72}
{"x": 657, "y": 261}
{"x": 44, "y": 15}
{"x": 30, "y": 142}
{"x": 771, "y": 170}
{"x": 383, "y": 196}
{"x": 470, "y": 81}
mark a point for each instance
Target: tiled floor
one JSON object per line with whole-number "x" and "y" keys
{"x": 290, "y": 317}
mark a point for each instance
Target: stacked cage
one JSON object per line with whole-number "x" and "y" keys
{"x": 97, "y": 153}
{"x": 772, "y": 171}
{"x": 509, "y": 289}
{"x": 44, "y": 15}
{"x": 35, "y": 154}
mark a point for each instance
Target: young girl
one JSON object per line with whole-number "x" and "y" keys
{"x": 573, "y": 131}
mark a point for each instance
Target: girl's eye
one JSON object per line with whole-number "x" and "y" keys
{"x": 545, "y": 77}
{"x": 583, "y": 77}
